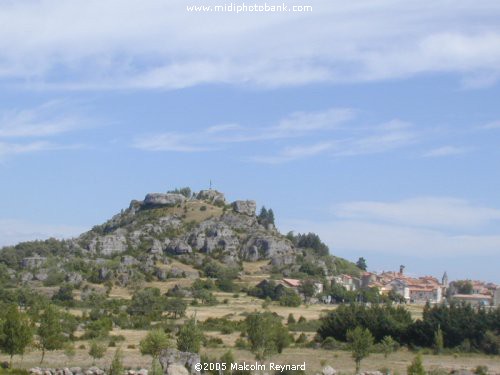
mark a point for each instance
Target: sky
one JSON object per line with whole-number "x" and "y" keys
{"x": 374, "y": 123}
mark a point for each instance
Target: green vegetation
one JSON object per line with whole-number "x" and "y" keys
{"x": 16, "y": 332}
{"x": 266, "y": 334}
{"x": 190, "y": 336}
{"x": 360, "y": 343}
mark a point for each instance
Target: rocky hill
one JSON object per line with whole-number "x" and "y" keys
{"x": 150, "y": 238}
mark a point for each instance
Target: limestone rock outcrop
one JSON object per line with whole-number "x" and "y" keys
{"x": 212, "y": 196}
{"x": 173, "y": 362}
{"x": 163, "y": 199}
{"x": 245, "y": 207}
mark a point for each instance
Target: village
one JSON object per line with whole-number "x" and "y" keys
{"x": 410, "y": 290}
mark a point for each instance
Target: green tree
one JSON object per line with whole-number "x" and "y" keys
{"x": 388, "y": 345}
{"x": 148, "y": 303}
{"x": 361, "y": 264}
{"x": 360, "y": 343}
{"x": 16, "y": 332}
{"x": 176, "y": 307}
{"x": 307, "y": 289}
{"x": 189, "y": 339}
{"x": 438, "y": 341}
{"x": 116, "y": 367}
{"x": 154, "y": 342}
{"x": 50, "y": 331}
{"x": 266, "y": 334}
{"x": 97, "y": 350}
{"x": 416, "y": 367}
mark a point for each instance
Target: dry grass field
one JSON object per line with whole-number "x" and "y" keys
{"x": 315, "y": 358}
{"x": 235, "y": 307}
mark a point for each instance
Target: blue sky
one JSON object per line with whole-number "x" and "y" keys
{"x": 373, "y": 123}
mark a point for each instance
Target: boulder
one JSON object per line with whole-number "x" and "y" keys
{"x": 245, "y": 207}
{"x": 328, "y": 370}
{"x": 177, "y": 247}
{"x": 74, "y": 278}
{"x": 212, "y": 196}
{"x": 176, "y": 369}
{"x": 164, "y": 199}
{"x": 41, "y": 275}
{"x": 26, "y": 277}
{"x": 33, "y": 262}
{"x": 171, "y": 357}
{"x": 128, "y": 260}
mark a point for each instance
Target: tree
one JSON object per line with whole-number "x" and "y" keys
{"x": 50, "y": 331}
{"x": 116, "y": 367}
{"x": 176, "y": 307}
{"x": 189, "y": 339}
{"x": 361, "y": 264}
{"x": 64, "y": 294}
{"x": 265, "y": 217}
{"x": 416, "y": 367}
{"x": 438, "y": 341}
{"x": 266, "y": 334}
{"x": 148, "y": 303}
{"x": 97, "y": 350}
{"x": 463, "y": 286}
{"x": 16, "y": 332}
{"x": 360, "y": 342}
{"x": 388, "y": 345}
{"x": 307, "y": 288}
{"x": 154, "y": 342}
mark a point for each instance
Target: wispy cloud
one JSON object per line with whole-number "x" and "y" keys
{"x": 29, "y": 130}
{"x": 308, "y": 134}
{"x": 125, "y": 47}
{"x": 422, "y": 211}
{"x": 491, "y": 125}
{"x": 294, "y": 153}
{"x": 445, "y": 151}
{"x": 429, "y": 227}
{"x": 48, "y": 119}
{"x": 297, "y": 124}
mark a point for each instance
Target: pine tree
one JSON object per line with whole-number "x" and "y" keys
{"x": 416, "y": 367}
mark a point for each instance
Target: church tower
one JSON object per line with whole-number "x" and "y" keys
{"x": 444, "y": 280}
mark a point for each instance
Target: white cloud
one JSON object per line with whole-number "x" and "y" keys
{"x": 15, "y": 231}
{"x": 423, "y": 212}
{"x": 418, "y": 227}
{"x": 491, "y": 125}
{"x": 295, "y": 125}
{"x": 118, "y": 44}
{"x": 293, "y": 153}
{"x": 48, "y": 119}
{"x": 362, "y": 237}
{"x": 445, "y": 151}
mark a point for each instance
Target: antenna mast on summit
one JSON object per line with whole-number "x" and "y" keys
{"x": 210, "y": 184}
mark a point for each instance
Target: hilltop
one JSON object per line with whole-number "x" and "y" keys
{"x": 176, "y": 234}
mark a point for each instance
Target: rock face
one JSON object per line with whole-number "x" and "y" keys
{"x": 110, "y": 244}
{"x": 268, "y": 247}
{"x": 33, "y": 262}
{"x": 175, "y": 362}
{"x": 245, "y": 207}
{"x": 212, "y": 196}
{"x": 178, "y": 247}
{"x": 163, "y": 199}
